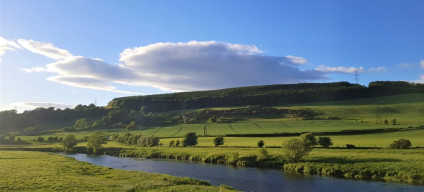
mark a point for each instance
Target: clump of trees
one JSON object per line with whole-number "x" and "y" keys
{"x": 95, "y": 142}
{"x": 260, "y": 143}
{"x": 296, "y": 149}
{"x": 218, "y": 140}
{"x": 325, "y": 141}
{"x": 190, "y": 139}
{"x": 400, "y": 144}
{"x": 69, "y": 142}
{"x": 148, "y": 141}
{"x": 309, "y": 139}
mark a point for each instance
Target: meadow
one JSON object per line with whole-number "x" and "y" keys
{"x": 37, "y": 171}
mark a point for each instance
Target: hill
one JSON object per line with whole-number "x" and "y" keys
{"x": 267, "y": 95}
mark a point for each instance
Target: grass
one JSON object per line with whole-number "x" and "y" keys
{"x": 37, "y": 171}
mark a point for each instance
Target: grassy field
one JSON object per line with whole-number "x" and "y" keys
{"x": 37, "y": 171}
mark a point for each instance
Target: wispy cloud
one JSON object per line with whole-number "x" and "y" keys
{"x": 295, "y": 60}
{"x": 6, "y": 45}
{"x": 339, "y": 69}
{"x": 377, "y": 69}
{"x": 422, "y": 63}
{"x": 46, "y": 49}
{"x": 22, "y": 106}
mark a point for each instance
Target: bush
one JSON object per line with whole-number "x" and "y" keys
{"x": 262, "y": 155}
{"x": 309, "y": 139}
{"x": 218, "y": 140}
{"x": 325, "y": 141}
{"x": 40, "y": 139}
{"x": 260, "y": 143}
{"x": 148, "y": 141}
{"x": 177, "y": 143}
{"x": 400, "y": 144}
{"x": 295, "y": 149}
{"x": 171, "y": 143}
{"x": 350, "y": 146}
{"x": 69, "y": 142}
{"x": 190, "y": 139}
{"x": 393, "y": 121}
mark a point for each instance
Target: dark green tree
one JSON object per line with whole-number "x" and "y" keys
{"x": 394, "y": 122}
{"x": 309, "y": 139}
{"x": 95, "y": 142}
{"x": 190, "y": 139}
{"x": 260, "y": 143}
{"x": 69, "y": 142}
{"x": 177, "y": 143}
{"x": 132, "y": 126}
{"x": 400, "y": 144}
{"x": 171, "y": 143}
{"x": 325, "y": 141}
{"x": 218, "y": 140}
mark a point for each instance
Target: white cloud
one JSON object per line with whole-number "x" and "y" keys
{"x": 422, "y": 63}
{"x": 174, "y": 67}
{"x": 296, "y": 60}
{"x": 377, "y": 69}
{"x": 89, "y": 83}
{"x": 22, "y": 106}
{"x": 339, "y": 69}
{"x": 46, "y": 49}
{"x": 7, "y": 45}
{"x": 421, "y": 80}
{"x": 210, "y": 65}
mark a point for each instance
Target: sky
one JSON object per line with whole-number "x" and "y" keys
{"x": 63, "y": 53}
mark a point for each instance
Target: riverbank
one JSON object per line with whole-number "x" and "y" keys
{"x": 389, "y": 165}
{"x": 38, "y": 171}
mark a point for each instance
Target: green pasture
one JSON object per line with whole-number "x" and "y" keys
{"x": 37, "y": 171}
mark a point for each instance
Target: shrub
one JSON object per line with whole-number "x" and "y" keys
{"x": 260, "y": 143}
{"x": 309, "y": 139}
{"x": 393, "y": 121}
{"x": 69, "y": 142}
{"x": 400, "y": 144}
{"x": 350, "y": 146}
{"x": 171, "y": 143}
{"x": 262, "y": 155}
{"x": 295, "y": 149}
{"x": 190, "y": 139}
{"x": 325, "y": 141}
{"x": 218, "y": 140}
{"x": 96, "y": 141}
{"x": 40, "y": 139}
{"x": 177, "y": 143}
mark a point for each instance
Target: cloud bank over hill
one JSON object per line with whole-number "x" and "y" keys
{"x": 182, "y": 66}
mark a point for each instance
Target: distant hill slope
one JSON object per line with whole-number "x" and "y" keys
{"x": 267, "y": 95}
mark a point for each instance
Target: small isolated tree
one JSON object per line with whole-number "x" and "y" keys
{"x": 40, "y": 139}
{"x": 296, "y": 149}
{"x": 393, "y": 121}
{"x": 400, "y": 144}
{"x": 131, "y": 126}
{"x": 177, "y": 143}
{"x": 260, "y": 143}
{"x": 309, "y": 139}
{"x": 190, "y": 139}
{"x": 218, "y": 140}
{"x": 69, "y": 142}
{"x": 171, "y": 143}
{"x": 95, "y": 141}
{"x": 386, "y": 122}
{"x": 325, "y": 141}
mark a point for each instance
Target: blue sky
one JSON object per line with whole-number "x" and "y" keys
{"x": 63, "y": 53}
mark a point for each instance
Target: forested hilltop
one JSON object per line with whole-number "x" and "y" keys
{"x": 266, "y": 95}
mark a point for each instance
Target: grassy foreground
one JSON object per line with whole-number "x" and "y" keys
{"x": 38, "y": 171}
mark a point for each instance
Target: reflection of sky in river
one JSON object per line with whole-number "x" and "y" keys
{"x": 246, "y": 179}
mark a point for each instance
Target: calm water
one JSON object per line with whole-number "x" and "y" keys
{"x": 245, "y": 179}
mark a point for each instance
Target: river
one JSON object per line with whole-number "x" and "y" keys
{"x": 245, "y": 179}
